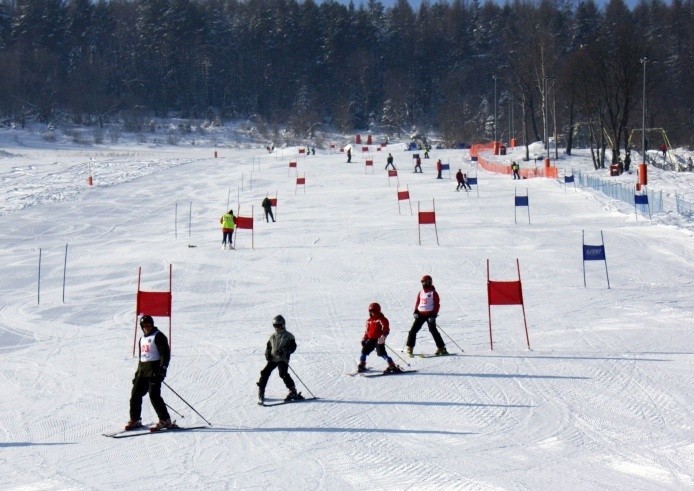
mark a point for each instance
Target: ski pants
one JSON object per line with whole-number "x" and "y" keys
{"x": 417, "y": 325}
{"x": 142, "y": 385}
{"x": 227, "y": 234}
{"x": 283, "y": 369}
{"x": 367, "y": 347}
{"x": 268, "y": 213}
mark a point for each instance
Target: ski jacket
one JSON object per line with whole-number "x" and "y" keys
{"x": 427, "y": 302}
{"x": 459, "y": 176}
{"x": 267, "y": 204}
{"x": 376, "y": 327}
{"x": 280, "y": 346}
{"x": 154, "y": 354}
{"x": 228, "y": 221}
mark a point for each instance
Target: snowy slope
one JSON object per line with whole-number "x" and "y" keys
{"x": 602, "y": 401}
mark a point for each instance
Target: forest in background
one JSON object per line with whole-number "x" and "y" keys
{"x": 546, "y": 68}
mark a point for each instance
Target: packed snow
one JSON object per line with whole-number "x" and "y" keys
{"x": 602, "y": 399}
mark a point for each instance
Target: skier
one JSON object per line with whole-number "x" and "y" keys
{"x": 462, "y": 184}
{"x": 515, "y": 168}
{"x": 418, "y": 165}
{"x": 154, "y": 354}
{"x": 426, "y": 309}
{"x": 439, "y": 168}
{"x": 349, "y": 155}
{"x": 279, "y": 348}
{"x": 389, "y": 162}
{"x": 267, "y": 206}
{"x": 228, "y": 222}
{"x": 377, "y": 329}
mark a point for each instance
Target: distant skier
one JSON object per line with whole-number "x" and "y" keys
{"x": 426, "y": 310}
{"x": 267, "y": 207}
{"x": 349, "y": 155}
{"x": 516, "y": 169}
{"x": 279, "y": 348}
{"x": 389, "y": 162}
{"x": 228, "y": 222}
{"x": 154, "y": 355}
{"x": 462, "y": 181}
{"x": 439, "y": 168}
{"x": 377, "y": 329}
{"x": 417, "y": 164}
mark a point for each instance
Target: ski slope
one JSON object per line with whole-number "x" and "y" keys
{"x": 602, "y": 400}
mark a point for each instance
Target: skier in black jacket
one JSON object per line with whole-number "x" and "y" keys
{"x": 154, "y": 355}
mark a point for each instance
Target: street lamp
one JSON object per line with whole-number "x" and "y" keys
{"x": 643, "y": 60}
{"x": 494, "y": 77}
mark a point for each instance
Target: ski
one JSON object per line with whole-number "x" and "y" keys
{"x": 433, "y": 355}
{"x": 352, "y": 374}
{"x": 384, "y": 374}
{"x": 148, "y": 431}
{"x": 282, "y": 402}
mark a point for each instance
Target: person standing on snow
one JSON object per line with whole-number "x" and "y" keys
{"x": 349, "y": 155}
{"x": 516, "y": 169}
{"x": 279, "y": 348}
{"x": 460, "y": 177}
{"x": 267, "y": 207}
{"x": 426, "y": 309}
{"x": 389, "y": 162}
{"x": 377, "y": 329}
{"x": 418, "y": 165}
{"x": 228, "y": 222}
{"x": 439, "y": 168}
{"x": 151, "y": 371}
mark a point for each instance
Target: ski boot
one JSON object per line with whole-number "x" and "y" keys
{"x": 261, "y": 394}
{"x": 408, "y": 350}
{"x": 293, "y": 396}
{"x": 442, "y": 351}
{"x": 163, "y": 424}
{"x": 393, "y": 368}
{"x": 361, "y": 367}
{"x": 134, "y": 424}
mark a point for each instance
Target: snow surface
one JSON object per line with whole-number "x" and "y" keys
{"x": 603, "y": 400}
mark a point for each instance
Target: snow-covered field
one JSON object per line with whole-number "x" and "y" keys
{"x": 603, "y": 400}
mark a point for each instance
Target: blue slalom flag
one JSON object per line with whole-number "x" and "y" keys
{"x": 472, "y": 181}
{"x": 641, "y": 199}
{"x": 445, "y": 167}
{"x": 522, "y": 201}
{"x": 593, "y": 252}
{"x": 568, "y": 179}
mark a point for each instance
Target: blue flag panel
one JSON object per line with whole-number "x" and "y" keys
{"x": 593, "y": 252}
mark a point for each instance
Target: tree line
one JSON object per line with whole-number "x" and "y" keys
{"x": 469, "y": 70}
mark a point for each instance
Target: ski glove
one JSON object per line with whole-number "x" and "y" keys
{"x": 162, "y": 373}
{"x": 382, "y": 340}
{"x": 416, "y": 315}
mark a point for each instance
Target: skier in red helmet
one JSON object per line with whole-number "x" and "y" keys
{"x": 377, "y": 328}
{"x": 426, "y": 309}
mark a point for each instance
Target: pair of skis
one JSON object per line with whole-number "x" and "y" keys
{"x": 144, "y": 430}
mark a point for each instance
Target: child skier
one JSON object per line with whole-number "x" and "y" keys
{"x": 279, "y": 348}
{"x": 377, "y": 328}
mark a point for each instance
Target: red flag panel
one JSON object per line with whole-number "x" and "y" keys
{"x": 273, "y": 201}
{"x": 300, "y": 180}
{"x": 244, "y": 222}
{"x": 292, "y": 164}
{"x": 403, "y": 195}
{"x": 154, "y": 303}
{"x": 427, "y": 217}
{"x": 505, "y": 293}
{"x": 392, "y": 173}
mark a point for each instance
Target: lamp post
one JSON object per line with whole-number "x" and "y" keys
{"x": 643, "y": 60}
{"x": 494, "y": 77}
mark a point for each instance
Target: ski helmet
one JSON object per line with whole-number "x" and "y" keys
{"x": 278, "y": 322}
{"x": 426, "y": 280}
{"x": 374, "y": 308}
{"x": 146, "y": 319}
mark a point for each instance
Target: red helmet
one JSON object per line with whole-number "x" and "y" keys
{"x": 426, "y": 280}
{"x": 374, "y": 308}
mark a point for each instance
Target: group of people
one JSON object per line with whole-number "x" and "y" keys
{"x": 228, "y": 222}
{"x": 154, "y": 354}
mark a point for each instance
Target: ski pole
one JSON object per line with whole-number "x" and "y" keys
{"x": 174, "y": 410}
{"x": 186, "y": 402}
{"x": 302, "y": 382}
{"x": 396, "y": 354}
{"x": 461, "y": 349}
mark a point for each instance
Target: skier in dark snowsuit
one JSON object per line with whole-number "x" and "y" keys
{"x": 279, "y": 348}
